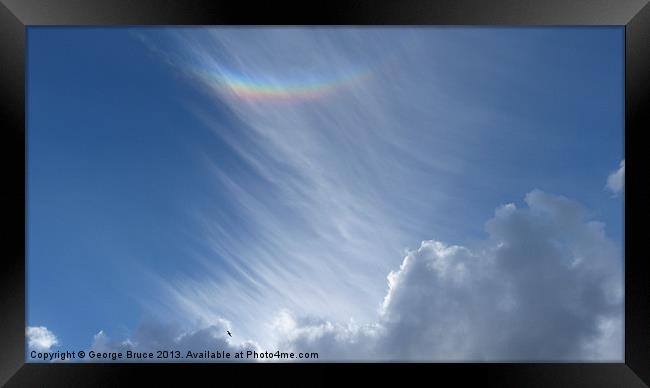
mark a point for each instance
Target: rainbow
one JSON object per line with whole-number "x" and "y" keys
{"x": 275, "y": 89}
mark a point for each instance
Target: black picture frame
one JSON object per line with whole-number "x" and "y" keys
{"x": 17, "y": 15}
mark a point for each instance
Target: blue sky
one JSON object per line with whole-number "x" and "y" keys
{"x": 264, "y": 179}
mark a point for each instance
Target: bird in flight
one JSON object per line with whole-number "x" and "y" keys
{"x": 228, "y": 331}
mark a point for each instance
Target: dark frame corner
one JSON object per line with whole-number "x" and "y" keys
{"x": 17, "y": 15}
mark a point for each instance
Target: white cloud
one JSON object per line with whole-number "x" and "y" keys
{"x": 323, "y": 194}
{"x": 546, "y": 285}
{"x": 39, "y": 338}
{"x": 616, "y": 180}
{"x": 326, "y": 193}
{"x": 154, "y": 336}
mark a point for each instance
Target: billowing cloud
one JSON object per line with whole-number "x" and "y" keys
{"x": 39, "y": 338}
{"x": 546, "y": 285}
{"x": 616, "y": 180}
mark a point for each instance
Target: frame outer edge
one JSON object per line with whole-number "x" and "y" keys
{"x": 12, "y": 72}
{"x": 12, "y": 93}
{"x": 637, "y": 115}
{"x": 339, "y": 12}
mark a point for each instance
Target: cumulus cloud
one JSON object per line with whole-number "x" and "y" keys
{"x": 616, "y": 180}
{"x": 546, "y": 285}
{"x": 39, "y": 338}
{"x": 154, "y": 336}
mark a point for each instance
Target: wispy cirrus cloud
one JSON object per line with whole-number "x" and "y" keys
{"x": 312, "y": 215}
{"x": 316, "y": 195}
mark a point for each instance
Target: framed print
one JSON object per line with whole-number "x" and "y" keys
{"x": 422, "y": 187}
